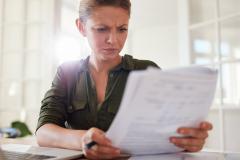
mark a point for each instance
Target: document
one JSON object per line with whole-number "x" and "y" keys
{"x": 156, "y": 103}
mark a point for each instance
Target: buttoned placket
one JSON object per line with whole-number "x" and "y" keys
{"x": 91, "y": 97}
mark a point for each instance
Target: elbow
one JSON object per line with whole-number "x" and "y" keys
{"x": 41, "y": 138}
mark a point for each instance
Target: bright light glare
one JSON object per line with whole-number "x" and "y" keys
{"x": 12, "y": 89}
{"x": 237, "y": 52}
{"x": 202, "y": 46}
{"x": 225, "y": 49}
{"x": 23, "y": 115}
{"x": 68, "y": 48}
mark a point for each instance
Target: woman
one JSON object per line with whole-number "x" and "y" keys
{"x": 85, "y": 95}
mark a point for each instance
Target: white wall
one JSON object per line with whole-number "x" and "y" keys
{"x": 154, "y": 32}
{"x": 232, "y": 130}
{"x": 151, "y": 43}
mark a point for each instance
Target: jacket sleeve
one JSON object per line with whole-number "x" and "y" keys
{"x": 53, "y": 107}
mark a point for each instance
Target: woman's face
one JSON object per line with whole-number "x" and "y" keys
{"x": 106, "y": 30}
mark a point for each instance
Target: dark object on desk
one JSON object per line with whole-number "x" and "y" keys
{"x": 7, "y": 155}
{"x": 9, "y": 132}
{"x": 22, "y": 127}
{"x": 24, "y": 152}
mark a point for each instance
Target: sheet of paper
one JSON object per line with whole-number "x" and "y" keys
{"x": 156, "y": 103}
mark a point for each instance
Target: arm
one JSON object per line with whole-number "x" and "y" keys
{"x": 51, "y": 131}
{"x": 51, "y": 135}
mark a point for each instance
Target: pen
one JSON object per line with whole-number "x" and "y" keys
{"x": 90, "y": 145}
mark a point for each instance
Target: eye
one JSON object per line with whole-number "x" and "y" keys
{"x": 123, "y": 30}
{"x": 101, "y": 29}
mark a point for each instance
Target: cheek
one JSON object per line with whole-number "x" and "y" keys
{"x": 96, "y": 41}
{"x": 122, "y": 39}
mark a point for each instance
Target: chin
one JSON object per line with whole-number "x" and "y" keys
{"x": 109, "y": 57}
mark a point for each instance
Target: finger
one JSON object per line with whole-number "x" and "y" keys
{"x": 92, "y": 154}
{"x": 101, "y": 139}
{"x": 193, "y": 132}
{"x": 107, "y": 156}
{"x": 103, "y": 150}
{"x": 98, "y": 136}
{"x": 187, "y": 141}
{"x": 206, "y": 126}
{"x": 87, "y": 138}
{"x": 193, "y": 148}
{"x": 190, "y": 148}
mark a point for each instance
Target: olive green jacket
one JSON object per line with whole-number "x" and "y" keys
{"x": 71, "y": 101}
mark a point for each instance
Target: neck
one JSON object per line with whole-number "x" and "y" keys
{"x": 102, "y": 65}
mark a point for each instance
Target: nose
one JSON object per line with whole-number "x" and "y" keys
{"x": 112, "y": 38}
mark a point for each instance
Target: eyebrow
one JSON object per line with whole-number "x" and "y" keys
{"x": 103, "y": 25}
{"x": 123, "y": 25}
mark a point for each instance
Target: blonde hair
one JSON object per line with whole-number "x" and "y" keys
{"x": 87, "y": 6}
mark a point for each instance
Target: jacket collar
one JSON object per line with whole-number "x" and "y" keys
{"x": 126, "y": 64}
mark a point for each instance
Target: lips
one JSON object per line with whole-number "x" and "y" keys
{"x": 111, "y": 50}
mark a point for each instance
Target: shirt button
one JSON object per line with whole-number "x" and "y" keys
{"x": 70, "y": 107}
{"x": 111, "y": 75}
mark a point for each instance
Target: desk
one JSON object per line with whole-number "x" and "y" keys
{"x": 177, "y": 156}
{"x": 191, "y": 156}
{"x": 186, "y": 156}
{"x": 30, "y": 140}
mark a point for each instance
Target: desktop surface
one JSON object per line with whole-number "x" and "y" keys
{"x": 185, "y": 156}
{"x": 176, "y": 156}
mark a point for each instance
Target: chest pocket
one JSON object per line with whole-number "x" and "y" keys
{"x": 78, "y": 98}
{"x": 77, "y": 105}
{"x": 79, "y": 115}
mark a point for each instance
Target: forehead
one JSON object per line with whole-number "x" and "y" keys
{"x": 109, "y": 16}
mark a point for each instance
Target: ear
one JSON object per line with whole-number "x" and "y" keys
{"x": 81, "y": 27}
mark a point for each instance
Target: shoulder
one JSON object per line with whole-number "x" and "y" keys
{"x": 69, "y": 65}
{"x": 67, "y": 72}
{"x": 73, "y": 66}
{"x": 140, "y": 64}
{"x": 143, "y": 64}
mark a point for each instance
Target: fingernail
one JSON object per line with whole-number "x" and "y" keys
{"x": 173, "y": 140}
{"x": 109, "y": 143}
{"x": 181, "y": 131}
{"x": 117, "y": 151}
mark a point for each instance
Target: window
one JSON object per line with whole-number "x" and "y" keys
{"x": 21, "y": 24}
{"x": 70, "y": 44}
{"x": 35, "y": 37}
{"x": 212, "y": 32}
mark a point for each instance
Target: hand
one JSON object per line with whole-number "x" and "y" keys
{"x": 194, "y": 139}
{"x": 103, "y": 149}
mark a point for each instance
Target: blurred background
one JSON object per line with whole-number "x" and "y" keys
{"x": 38, "y": 35}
